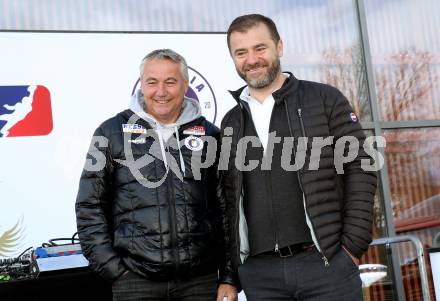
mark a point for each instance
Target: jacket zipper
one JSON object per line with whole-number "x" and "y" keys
{"x": 272, "y": 212}
{"x": 275, "y": 225}
{"x": 173, "y": 229}
{"x": 303, "y": 132}
{"x": 240, "y": 184}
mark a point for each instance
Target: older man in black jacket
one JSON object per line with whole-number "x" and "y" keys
{"x": 148, "y": 215}
{"x": 296, "y": 231}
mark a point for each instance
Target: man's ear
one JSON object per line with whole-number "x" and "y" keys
{"x": 280, "y": 48}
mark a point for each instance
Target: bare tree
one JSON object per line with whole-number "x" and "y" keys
{"x": 404, "y": 85}
{"x": 346, "y": 71}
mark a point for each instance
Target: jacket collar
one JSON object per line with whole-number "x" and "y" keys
{"x": 289, "y": 87}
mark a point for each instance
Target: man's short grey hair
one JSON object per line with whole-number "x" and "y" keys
{"x": 166, "y": 54}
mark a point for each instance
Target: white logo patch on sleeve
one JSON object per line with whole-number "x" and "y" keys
{"x": 353, "y": 117}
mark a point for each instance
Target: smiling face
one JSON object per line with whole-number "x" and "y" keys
{"x": 163, "y": 87}
{"x": 256, "y": 56}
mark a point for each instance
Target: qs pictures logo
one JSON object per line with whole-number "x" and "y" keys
{"x": 10, "y": 239}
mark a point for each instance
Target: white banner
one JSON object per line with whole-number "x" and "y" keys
{"x": 55, "y": 89}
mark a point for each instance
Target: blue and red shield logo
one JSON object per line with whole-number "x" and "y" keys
{"x": 25, "y": 111}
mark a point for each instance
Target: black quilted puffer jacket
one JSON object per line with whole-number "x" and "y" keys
{"x": 172, "y": 231}
{"x": 339, "y": 206}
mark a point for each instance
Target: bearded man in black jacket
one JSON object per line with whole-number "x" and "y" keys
{"x": 296, "y": 232}
{"x": 148, "y": 216}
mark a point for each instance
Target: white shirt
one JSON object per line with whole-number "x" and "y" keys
{"x": 261, "y": 113}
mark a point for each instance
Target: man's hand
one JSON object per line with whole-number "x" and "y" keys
{"x": 228, "y": 291}
{"x": 355, "y": 260}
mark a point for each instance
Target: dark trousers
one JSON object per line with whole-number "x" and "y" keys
{"x": 134, "y": 287}
{"x": 301, "y": 277}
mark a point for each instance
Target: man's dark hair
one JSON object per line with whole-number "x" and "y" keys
{"x": 245, "y": 22}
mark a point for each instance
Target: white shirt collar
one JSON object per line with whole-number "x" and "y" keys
{"x": 245, "y": 96}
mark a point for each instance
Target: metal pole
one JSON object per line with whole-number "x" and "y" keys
{"x": 385, "y": 187}
{"x": 420, "y": 257}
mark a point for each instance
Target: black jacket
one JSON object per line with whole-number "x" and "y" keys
{"x": 165, "y": 232}
{"x": 339, "y": 206}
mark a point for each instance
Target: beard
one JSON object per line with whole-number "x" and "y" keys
{"x": 272, "y": 72}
